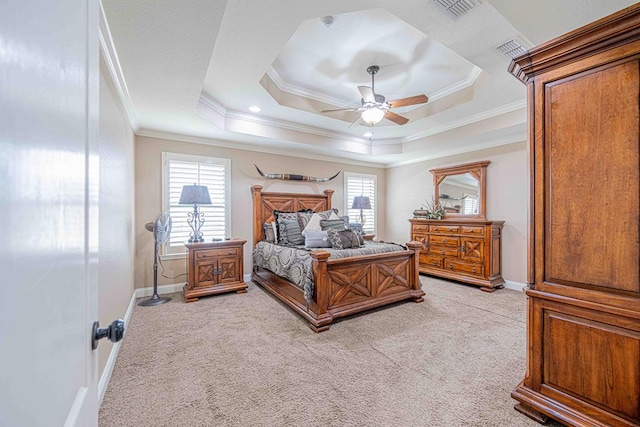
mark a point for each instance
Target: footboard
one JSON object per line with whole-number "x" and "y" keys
{"x": 351, "y": 285}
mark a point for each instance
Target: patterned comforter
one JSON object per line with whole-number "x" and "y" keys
{"x": 295, "y": 263}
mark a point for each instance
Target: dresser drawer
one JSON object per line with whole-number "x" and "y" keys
{"x": 416, "y": 228}
{"x": 217, "y": 253}
{"x": 462, "y": 267}
{"x": 444, "y": 228}
{"x": 420, "y": 238}
{"x": 430, "y": 260}
{"x": 472, "y": 230}
{"x": 444, "y": 241}
{"x": 443, "y": 250}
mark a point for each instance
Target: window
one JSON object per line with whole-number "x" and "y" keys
{"x": 470, "y": 204}
{"x": 357, "y": 184}
{"x": 179, "y": 170}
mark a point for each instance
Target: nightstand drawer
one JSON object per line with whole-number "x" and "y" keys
{"x": 217, "y": 253}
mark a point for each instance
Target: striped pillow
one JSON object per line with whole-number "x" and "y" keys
{"x": 333, "y": 224}
{"x": 289, "y": 232}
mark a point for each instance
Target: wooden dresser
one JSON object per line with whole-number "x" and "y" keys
{"x": 465, "y": 250}
{"x": 215, "y": 268}
{"x": 583, "y": 323}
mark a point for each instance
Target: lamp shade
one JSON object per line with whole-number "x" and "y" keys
{"x": 361, "y": 202}
{"x": 372, "y": 115}
{"x": 195, "y": 195}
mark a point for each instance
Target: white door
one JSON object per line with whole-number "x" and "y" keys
{"x": 48, "y": 203}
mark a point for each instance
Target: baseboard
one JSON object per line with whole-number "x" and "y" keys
{"x": 111, "y": 362}
{"x": 162, "y": 289}
{"x": 516, "y": 286}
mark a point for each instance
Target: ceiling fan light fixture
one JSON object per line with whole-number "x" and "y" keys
{"x": 373, "y": 115}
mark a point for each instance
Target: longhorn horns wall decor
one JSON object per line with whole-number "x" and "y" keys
{"x": 293, "y": 177}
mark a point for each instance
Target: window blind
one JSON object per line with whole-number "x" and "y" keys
{"x": 361, "y": 185}
{"x": 470, "y": 204}
{"x": 181, "y": 170}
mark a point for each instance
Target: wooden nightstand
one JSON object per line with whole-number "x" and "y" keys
{"x": 215, "y": 268}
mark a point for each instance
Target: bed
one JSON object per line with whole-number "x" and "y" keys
{"x": 341, "y": 286}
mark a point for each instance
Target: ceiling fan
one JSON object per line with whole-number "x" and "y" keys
{"x": 375, "y": 107}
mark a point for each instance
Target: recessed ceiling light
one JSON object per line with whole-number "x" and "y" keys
{"x": 255, "y": 109}
{"x": 368, "y": 134}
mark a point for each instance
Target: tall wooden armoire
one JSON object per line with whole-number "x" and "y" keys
{"x": 583, "y": 326}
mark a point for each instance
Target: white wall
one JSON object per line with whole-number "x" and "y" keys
{"x": 116, "y": 201}
{"x": 411, "y": 185}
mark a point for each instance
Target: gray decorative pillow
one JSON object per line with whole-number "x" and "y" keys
{"x": 284, "y": 215}
{"x": 289, "y": 232}
{"x": 333, "y": 224}
{"x": 317, "y": 239}
{"x": 344, "y": 239}
{"x": 269, "y": 232}
{"x": 304, "y": 218}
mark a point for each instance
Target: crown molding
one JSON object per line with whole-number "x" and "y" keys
{"x": 208, "y": 102}
{"x": 503, "y": 109}
{"x": 458, "y": 86}
{"x": 250, "y": 147}
{"x": 306, "y": 93}
{"x": 321, "y": 97}
{"x": 110, "y": 55}
{"x": 460, "y": 150}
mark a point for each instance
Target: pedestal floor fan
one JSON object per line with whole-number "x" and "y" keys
{"x": 161, "y": 230}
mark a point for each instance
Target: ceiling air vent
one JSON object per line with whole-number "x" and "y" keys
{"x": 457, "y": 7}
{"x": 513, "y": 48}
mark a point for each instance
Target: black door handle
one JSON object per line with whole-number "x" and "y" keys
{"x": 114, "y": 332}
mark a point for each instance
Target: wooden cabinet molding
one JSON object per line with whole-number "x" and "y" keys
{"x": 215, "y": 268}
{"x": 469, "y": 251}
{"x": 583, "y": 317}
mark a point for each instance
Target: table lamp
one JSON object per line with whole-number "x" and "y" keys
{"x": 195, "y": 195}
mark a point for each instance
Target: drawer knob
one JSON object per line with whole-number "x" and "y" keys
{"x": 462, "y": 248}
{"x": 443, "y": 240}
{"x": 230, "y": 253}
{"x": 451, "y": 229}
{"x": 474, "y": 269}
{"x": 450, "y": 265}
{"x": 442, "y": 252}
{"x": 435, "y": 262}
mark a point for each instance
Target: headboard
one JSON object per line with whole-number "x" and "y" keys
{"x": 265, "y": 203}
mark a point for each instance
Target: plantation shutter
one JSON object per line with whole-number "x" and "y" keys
{"x": 181, "y": 170}
{"x": 361, "y": 185}
{"x": 470, "y": 204}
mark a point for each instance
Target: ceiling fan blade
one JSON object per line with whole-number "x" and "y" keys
{"x": 396, "y": 118}
{"x": 356, "y": 121}
{"x": 339, "y": 109}
{"x": 412, "y": 100}
{"x": 367, "y": 93}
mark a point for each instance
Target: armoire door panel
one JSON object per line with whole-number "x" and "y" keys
{"x": 592, "y": 178}
{"x": 591, "y": 361}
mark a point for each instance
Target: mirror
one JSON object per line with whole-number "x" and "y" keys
{"x": 460, "y": 190}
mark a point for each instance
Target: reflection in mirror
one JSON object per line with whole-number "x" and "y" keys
{"x": 459, "y": 194}
{"x": 461, "y": 189}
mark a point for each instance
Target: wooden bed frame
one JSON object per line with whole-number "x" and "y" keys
{"x": 342, "y": 286}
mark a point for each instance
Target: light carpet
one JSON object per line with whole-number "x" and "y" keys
{"x": 247, "y": 360}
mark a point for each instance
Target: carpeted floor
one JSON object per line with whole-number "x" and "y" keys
{"x": 246, "y": 360}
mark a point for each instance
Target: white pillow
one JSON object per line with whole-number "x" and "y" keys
{"x": 314, "y": 222}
